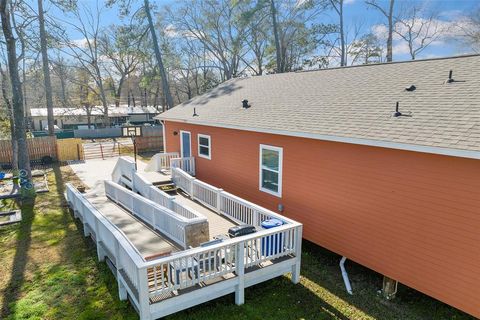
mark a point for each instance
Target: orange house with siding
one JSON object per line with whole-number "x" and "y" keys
{"x": 381, "y": 163}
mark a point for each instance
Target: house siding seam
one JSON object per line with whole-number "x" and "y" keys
{"x": 408, "y": 215}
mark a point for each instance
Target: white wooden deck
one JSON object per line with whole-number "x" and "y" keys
{"x": 162, "y": 285}
{"x": 217, "y": 224}
{"x": 147, "y": 241}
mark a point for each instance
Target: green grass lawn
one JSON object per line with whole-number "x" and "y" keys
{"x": 50, "y": 271}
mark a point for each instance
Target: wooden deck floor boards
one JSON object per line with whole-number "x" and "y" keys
{"x": 217, "y": 224}
{"x": 147, "y": 241}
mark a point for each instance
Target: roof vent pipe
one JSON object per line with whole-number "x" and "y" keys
{"x": 195, "y": 112}
{"x": 245, "y": 104}
{"x": 397, "y": 113}
{"x": 450, "y": 77}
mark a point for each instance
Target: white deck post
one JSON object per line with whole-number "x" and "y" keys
{"x": 100, "y": 252}
{"x": 122, "y": 291}
{"x": 298, "y": 255}
{"x": 240, "y": 266}
{"x": 86, "y": 231}
{"x": 190, "y": 187}
{"x": 255, "y": 220}
{"x": 219, "y": 200}
{"x": 154, "y": 218}
{"x": 143, "y": 297}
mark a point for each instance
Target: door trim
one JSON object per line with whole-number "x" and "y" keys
{"x": 181, "y": 142}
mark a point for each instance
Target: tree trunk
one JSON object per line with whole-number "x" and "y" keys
{"x": 46, "y": 70}
{"x": 26, "y": 108}
{"x": 17, "y": 94}
{"x": 13, "y": 140}
{"x": 343, "y": 59}
{"x": 63, "y": 87}
{"x": 278, "y": 48}
{"x": 89, "y": 116}
{"x": 390, "y": 33}
{"x": 10, "y": 116}
{"x": 118, "y": 92}
{"x": 155, "y": 98}
{"x": 158, "y": 55}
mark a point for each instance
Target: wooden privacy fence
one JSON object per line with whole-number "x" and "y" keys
{"x": 149, "y": 143}
{"x": 151, "y": 139}
{"x": 37, "y": 149}
{"x": 70, "y": 149}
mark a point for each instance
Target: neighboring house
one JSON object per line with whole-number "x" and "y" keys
{"x": 73, "y": 118}
{"x": 397, "y": 193}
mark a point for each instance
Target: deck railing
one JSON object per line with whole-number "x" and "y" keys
{"x": 186, "y": 164}
{"x": 123, "y": 170}
{"x": 166, "y": 161}
{"x": 224, "y": 265}
{"x": 161, "y": 161}
{"x": 158, "y": 217}
{"x": 111, "y": 242}
{"x": 227, "y": 204}
{"x": 206, "y": 194}
{"x": 125, "y": 167}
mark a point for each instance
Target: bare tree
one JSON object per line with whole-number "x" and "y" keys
{"x": 120, "y": 44}
{"x": 338, "y": 7}
{"x": 278, "y": 47}
{"x": 389, "y": 15}
{"x": 86, "y": 51}
{"x": 418, "y": 30}
{"x": 17, "y": 94}
{"x": 220, "y": 28}
{"x": 470, "y": 30}
{"x": 9, "y": 113}
{"x": 61, "y": 71}
{"x": 158, "y": 55}
{"x": 46, "y": 69}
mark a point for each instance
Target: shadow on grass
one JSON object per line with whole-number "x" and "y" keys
{"x": 22, "y": 245}
{"x": 78, "y": 254}
{"x": 321, "y": 295}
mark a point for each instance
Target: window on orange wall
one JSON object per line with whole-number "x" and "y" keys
{"x": 204, "y": 146}
{"x": 270, "y": 175}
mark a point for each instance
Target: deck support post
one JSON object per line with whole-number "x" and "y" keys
{"x": 143, "y": 298}
{"x": 122, "y": 291}
{"x": 389, "y": 289}
{"x": 86, "y": 230}
{"x": 240, "y": 263}
{"x": 298, "y": 256}
{"x": 100, "y": 252}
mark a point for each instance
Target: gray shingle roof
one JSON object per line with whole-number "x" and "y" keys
{"x": 354, "y": 102}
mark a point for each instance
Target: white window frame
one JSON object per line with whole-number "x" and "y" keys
{"x": 209, "y": 157}
{"x": 181, "y": 142}
{"x": 280, "y": 169}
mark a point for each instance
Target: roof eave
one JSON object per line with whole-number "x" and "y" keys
{"x": 461, "y": 153}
